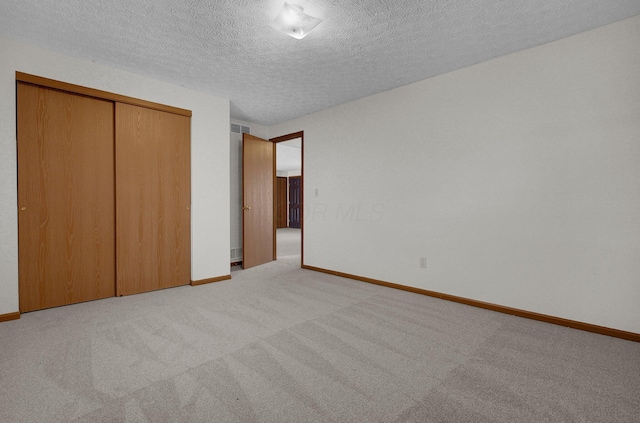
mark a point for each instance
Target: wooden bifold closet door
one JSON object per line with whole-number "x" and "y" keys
{"x": 104, "y": 196}
{"x": 153, "y": 197}
{"x": 66, "y": 242}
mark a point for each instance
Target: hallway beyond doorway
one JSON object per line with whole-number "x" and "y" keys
{"x": 288, "y": 242}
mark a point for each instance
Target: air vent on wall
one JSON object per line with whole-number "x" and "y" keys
{"x": 240, "y": 129}
{"x": 236, "y": 254}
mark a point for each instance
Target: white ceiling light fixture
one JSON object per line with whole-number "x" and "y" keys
{"x": 292, "y": 21}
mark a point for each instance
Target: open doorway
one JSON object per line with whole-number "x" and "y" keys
{"x": 244, "y": 248}
{"x": 289, "y": 212}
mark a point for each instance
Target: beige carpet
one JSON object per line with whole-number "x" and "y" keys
{"x": 281, "y": 344}
{"x": 288, "y": 242}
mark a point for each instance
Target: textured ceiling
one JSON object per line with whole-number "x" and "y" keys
{"x": 227, "y": 48}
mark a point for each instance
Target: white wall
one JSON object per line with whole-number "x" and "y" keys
{"x": 209, "y": 154}
{"x": 236, "y": 178}
{"x": 518, "y": 179}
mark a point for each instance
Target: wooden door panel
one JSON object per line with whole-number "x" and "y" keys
{"x": 258, "y": 171}
{"x": 66, "y": 198}
{"x": 152, "y": 199}
{"x": 281, "y": 210}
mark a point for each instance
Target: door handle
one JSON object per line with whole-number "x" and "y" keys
{"x": 246, "y": 208}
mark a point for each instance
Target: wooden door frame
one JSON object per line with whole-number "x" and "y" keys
{"x": 276, "y": 140}
{"x": 103, "y": 95}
